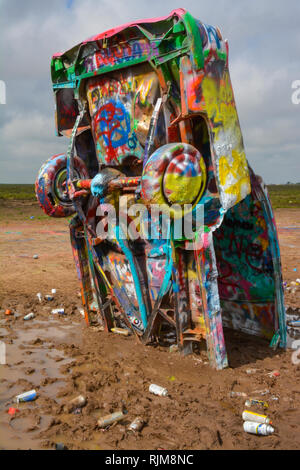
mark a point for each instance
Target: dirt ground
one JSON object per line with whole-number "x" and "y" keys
{"x": 61, "y": 357}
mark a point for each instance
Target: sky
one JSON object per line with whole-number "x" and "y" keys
{"x": 264, "y": 61}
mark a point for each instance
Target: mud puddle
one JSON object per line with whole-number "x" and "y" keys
{"x": 34, "y": 360}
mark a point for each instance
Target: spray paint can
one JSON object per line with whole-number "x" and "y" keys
{"x": 110, "y": 419}
{"x": 27, "y": 396}
{"x": 253, "y": 402}
{"x": 233, "y": 394}
{"x": 60, "y": 311}
{"x": 136, "y": 425}
{"x": 78, "y": 401}
{"x": 29, "y": 316}
{"x": 255, "y": 417}
{"x": 157, "y": 390}
{"x": 258, "y": 428}
{"x": 120, "y": 331}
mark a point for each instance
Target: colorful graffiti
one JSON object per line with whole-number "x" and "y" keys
{"x": 150, "y": 112}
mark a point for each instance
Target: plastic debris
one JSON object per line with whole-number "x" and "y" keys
{"x": 136, "y": 425}
{"x": 120, "y": 331}
{"x": 256, "y": 417}
{"x": 53, "y": 291}
{"x": 8, "y": 312}
{"x": 174, "y": 348}
{"x": 258, "y": 428}
{"x": 158, "y": 390}
{"x": 35, "y": 256}
{"x": 27, "y": 396}
{"x": 30, "y": 316}
{"x": 107, "y": 420}
{"x": 39, "y": 296}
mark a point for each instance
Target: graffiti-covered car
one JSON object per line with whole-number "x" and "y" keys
{"x": 155, "y": 144}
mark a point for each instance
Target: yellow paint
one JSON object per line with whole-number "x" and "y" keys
{"x": 184, "y": 189}
{"x": 236, "y": 168}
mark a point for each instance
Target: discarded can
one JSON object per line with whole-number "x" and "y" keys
{"x": 120, "y": 331}
{"x": 60, "y": 446}
{"x": 27, "y": 396}
{"x": 251, "y": 371}
{"x": 294, "y": 324}
{"x": 157, "y": 390}
{"x": 110, "y": 419}
{"x": 136, "y": 425}
{"x": 258, "y": 428}
{"x": 274, "y": 373}
{"x": 49, "y": 297}
{"x": 265, "y": 391}
{"x": 59, "y": 311}
{"x": 29, "y": 316}
{"x": 233, "y": 394}
{"x": 255, "y": 417}
{"x": 253, "y": 402}
{"x": 78, "y": 402}
{"x": 174, "y": 348}
{"x": 39, "y": 296}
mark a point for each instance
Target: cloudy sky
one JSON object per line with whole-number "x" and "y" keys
{"x": 264, "y": 45}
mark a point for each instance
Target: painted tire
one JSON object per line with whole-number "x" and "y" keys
{"x": 174, "y": 174}
{"x": 50, "y": 185}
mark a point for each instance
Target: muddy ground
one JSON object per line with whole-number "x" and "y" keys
{"x": 61, "y": 357}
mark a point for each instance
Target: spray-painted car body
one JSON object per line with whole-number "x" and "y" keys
{"x": 186, "y": 150}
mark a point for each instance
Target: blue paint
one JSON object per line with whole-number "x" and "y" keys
{"x": 136, "y": 281}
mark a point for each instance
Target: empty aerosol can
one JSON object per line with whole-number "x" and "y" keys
{"x": 157, "y": 390}
{"x": 110, "y": 419}
{"x": 27, "y": 396}
{"x": 258, "y": 428}
{"x": 59, "y": 311}
{"x": 29, "y": 316}
{"x": 255, "y": 417}
{"x": 254, "y": 402}
{"x": 136, "y": 425}
{"x": 78, "y": 402}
